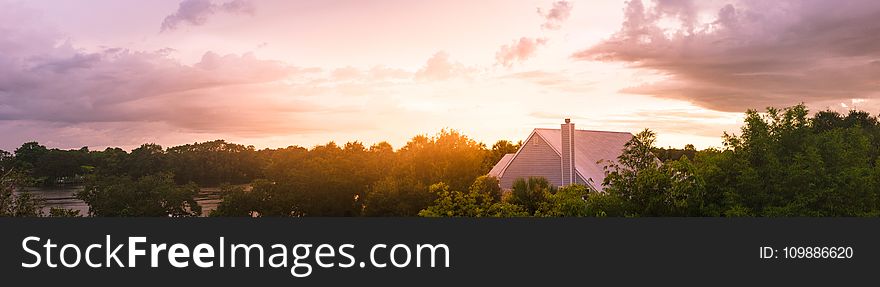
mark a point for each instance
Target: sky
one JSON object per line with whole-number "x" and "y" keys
{"x": 275, "y": 73}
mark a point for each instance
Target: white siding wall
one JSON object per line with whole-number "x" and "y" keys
{"x": 536, "y": 158}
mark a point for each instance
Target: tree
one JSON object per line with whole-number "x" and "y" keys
{"x": 605, "y": 204}
{"x": 57, "y": 167}
{"x": 151, "y": 195}
{"x": 507, "y": 209}
{"x": 397, "y": 197}
{"x": 451, "y": 203}
{"x": 62, "y": 212}
{"x": 110, "y": 161}
{"x": 28, "y": 154}
{"x": 670, "y": 154}
{"x": 213, "y": 163}
{"x": 785, "y": 163}
{"x": 499, "y": 149}
{"x": 264, "y": 199}
{"x": 479, "y": 201}
{"x": 531, "y": 194}
{"x": 328, "y": 180}
{"x": 448, "y": 157}
{"x": 403, "y": 190}
{"x": 782, "y": 162}
{"x": 145, "y": 160}
{"x": 652, "y": 189}
{"x": 7, "y": 160}
{"x": 17, "y": 204}
{"x": 568, "y": 201}
{"x": 236, "y": 202}
{"x": 487, "y": 187}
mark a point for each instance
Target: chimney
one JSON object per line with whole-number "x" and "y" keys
{"x": 568, "y": 174}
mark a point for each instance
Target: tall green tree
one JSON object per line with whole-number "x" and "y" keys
{"x": 498, "y": 150}
{"x": 785, "y": 163}
{"x": 448, "y": 157}
{"x": 151, "y": 195}
{"x": 29, "y": 154}
{"x": 650, "y": 188}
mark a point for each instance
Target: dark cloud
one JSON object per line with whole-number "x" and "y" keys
{"x": 518, "y": 51}
{"x": 197, "y": 12}
{"x": 750, "y": 54}
{"x": 556, "y": 15}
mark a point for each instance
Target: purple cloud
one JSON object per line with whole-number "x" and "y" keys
{"x": 65, "y": 96}
{"x": 750, "y": 54}
{"x": 196, "y": 12}
{"x": 60, "y": 85}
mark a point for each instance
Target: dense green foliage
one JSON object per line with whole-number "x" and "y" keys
{"x": 669, "y": 154}
{"x": 13, "y": 203}
{"x": 482, "y": 199}
{"x": 781, "y": 163}
{"x": 787, "y": 164}
{"x": 209, "y": 163}
{"x": 151, "y": 195}
{"x": 353, "y": 180}
{"x": 265, "y": 198}
{"x": 16, "y": 204}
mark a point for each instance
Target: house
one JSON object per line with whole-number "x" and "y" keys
{"x": 564, "y": 156}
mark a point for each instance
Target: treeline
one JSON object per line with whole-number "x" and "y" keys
{"x": 207, "y": 164}
{"x": 326, "y": 180}
{"x": 782, "y": 163}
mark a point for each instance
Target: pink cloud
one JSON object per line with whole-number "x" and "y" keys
{"x": 439, "y": 67}
{"x": 557, "y": 15}
{"x": 518, "y": 51}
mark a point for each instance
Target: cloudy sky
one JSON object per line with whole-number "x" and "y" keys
{"x": 273, "y": 73}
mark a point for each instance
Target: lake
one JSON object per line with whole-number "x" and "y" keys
{"x": 64, "y": 197}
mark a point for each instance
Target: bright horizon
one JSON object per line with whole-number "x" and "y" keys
{"x": 279, "y": 73}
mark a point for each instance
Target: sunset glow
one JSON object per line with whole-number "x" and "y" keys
{"x": 278, "y": 73}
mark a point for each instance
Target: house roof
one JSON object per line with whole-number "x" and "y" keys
{"x": 496, "y": 170}
{"x": 591, "y": 147}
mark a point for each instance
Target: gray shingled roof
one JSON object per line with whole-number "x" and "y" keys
{"x": 590, "y": 148}
{"x": 593, "y": 151}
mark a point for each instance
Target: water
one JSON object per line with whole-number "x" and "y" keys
{"x": 65, "y": 197}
